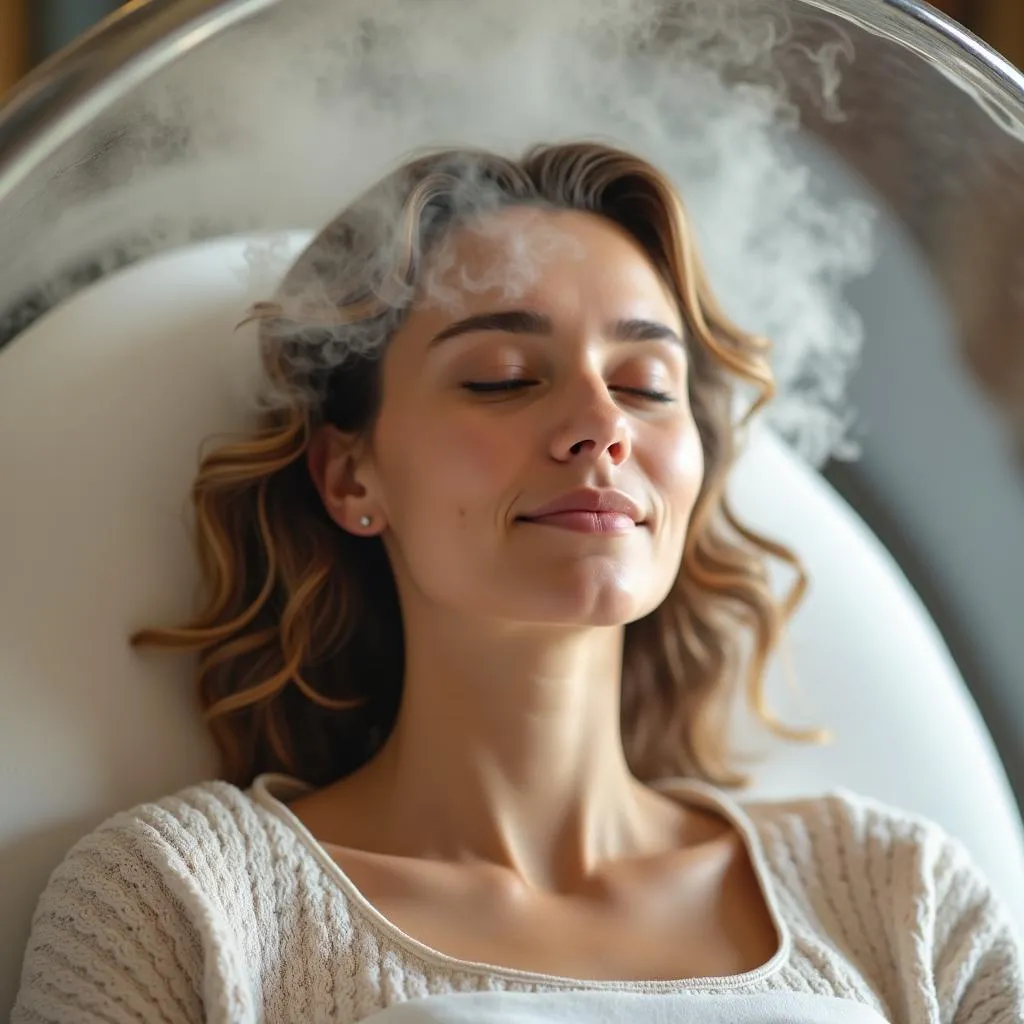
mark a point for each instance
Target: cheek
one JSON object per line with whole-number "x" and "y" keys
{"x": 679, "y": 466}
{"x": 681, "y": 457}
{"x": 470, "y": 464}
{"x": 443, "y": 468}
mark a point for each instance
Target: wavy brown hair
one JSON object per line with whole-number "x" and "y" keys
{"x": 301, "y": 641}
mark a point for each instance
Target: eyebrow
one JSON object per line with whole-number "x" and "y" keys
{"x": 526, "y": 321}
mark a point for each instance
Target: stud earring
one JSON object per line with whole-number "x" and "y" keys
{"x": 365, "y": 521}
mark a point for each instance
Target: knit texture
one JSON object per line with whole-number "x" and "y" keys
{"x": 211, "y": 906}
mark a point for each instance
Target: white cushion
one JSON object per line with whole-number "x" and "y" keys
{"x": 103, "y": 404}
{"x": 872, "y": 667}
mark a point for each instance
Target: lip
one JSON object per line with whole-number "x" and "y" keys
{"x": 598, "y": 504}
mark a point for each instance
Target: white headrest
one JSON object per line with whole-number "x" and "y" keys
{"x": 103, "y": 404}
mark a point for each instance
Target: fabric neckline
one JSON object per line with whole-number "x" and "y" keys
{"x": 272, "y": 790}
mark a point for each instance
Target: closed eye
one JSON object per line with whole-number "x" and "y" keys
{"x": 650, "y": 395}
{"x": 485, "y": 387}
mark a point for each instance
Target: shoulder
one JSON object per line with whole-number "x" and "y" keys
{"x": 848, "y": 827}
{"x": 164, "y": 846}
{"x": 909, "y": 869}
{"x": 848, "y": 815}
{"x": 846, "y": 834}
{"x": 194, "y": 861}
{"x": 125, "y": 924}
{"x": 899, "y": 889}
{"x": 192, "y": 832}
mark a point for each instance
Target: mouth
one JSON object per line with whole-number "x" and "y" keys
{"x": 582, "y": 521}
{"x": 596, "y": 509}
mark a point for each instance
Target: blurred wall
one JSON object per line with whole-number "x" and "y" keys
{"x": 58, "y": 22}
{"x": 31, "y": 30}
{"x": 15, "y": 53}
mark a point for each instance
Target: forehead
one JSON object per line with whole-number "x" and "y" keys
{"x": 524, "y": 254}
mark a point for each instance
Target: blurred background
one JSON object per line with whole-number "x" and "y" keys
{"x": 31, "y": 30}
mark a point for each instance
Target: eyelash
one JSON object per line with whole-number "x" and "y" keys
{"x": 499, "y": 386}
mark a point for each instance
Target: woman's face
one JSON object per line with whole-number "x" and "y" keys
{"x": 535, "y": 459}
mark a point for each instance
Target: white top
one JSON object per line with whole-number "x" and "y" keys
{"x": 611, "y": 1007}
{"x": 216, "y": 905}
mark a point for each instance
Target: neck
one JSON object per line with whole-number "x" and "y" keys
{"x": 507, "y": 749}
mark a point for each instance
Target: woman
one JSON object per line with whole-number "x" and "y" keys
{"x": 476, "y": 608}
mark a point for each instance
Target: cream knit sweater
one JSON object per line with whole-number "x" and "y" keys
{"x": 216, "y": 905}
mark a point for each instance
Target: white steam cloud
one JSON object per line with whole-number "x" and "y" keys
{"x": 291, "y": 115}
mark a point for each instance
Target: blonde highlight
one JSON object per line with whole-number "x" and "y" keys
{"x": 300, "y": 640}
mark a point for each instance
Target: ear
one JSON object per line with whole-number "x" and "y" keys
{"x": 337, "y": 466}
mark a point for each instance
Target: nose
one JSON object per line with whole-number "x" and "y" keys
{"x": 593, "y": 426}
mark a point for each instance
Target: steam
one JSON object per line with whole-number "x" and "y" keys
{"x": 352, "y": 286}
{"x": 522, "y": 250}
{"x": 286, "y": 119}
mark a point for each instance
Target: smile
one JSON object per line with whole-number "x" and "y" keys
{"x": 615, "y": 523}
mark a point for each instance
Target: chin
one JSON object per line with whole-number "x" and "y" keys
{"x": 588, "y": 603}
{"x": 600, "y": 618}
